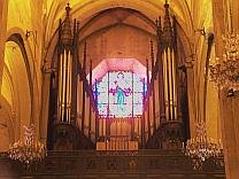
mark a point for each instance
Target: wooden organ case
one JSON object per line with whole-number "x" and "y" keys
{"x": 63, "y": 130}
{"x": 173, "y": 122}
{"x": 167, "y": 130}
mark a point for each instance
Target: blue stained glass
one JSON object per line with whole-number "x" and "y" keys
{"x": 120, "y": 94}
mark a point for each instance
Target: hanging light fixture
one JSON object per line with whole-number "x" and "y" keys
{"x": 28, "y": 150}
{"x": 201, "y": 147}
{"x": 225, "y": 73}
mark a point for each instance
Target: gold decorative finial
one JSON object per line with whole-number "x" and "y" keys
{"x": 68, "y": 8}
{"x": 166, "y": 5}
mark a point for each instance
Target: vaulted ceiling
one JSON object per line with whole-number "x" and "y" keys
{"x": 45, "y": 14}
{"x": 190, "y": 14}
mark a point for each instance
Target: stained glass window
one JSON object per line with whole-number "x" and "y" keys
{"x": 120, "y": 94}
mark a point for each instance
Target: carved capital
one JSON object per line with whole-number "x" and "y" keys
{"x": 13, "y": 115}
{"x": 189, "y": 61}
{"x": 46, "y": 67}
{"x": 189, "y": 65}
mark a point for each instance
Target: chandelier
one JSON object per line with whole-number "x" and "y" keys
{"x": 225, "y": 73}
{"x": 28, "y": 150}
{"x": 201, "y": 148}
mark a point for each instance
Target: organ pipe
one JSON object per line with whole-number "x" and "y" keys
{"x": 148, "y": 102}
{"x": 174, "y": 85}
{"x": 153, "y": 90}
{"x": 170, "y": 85}
{"x": 65, "y": 86}
{"x": 169, "y": 75}
{"x": 143, "y": 121}
{"x": 165, "y": 77}
{"x": 65, "y": 71}
{"x": 59, "y": 109}
{"x": 161, "y": 74}
{"x": 132, "y": 119}
{"x": 84, "y": 91}
{"x": 91, "y": 101}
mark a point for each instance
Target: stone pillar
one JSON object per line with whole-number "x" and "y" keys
{"x": 230, "y": 131}
{"x": 43, "y": 124}
{"x": 228, "y": 105}
{"x": 191, "y": 94}
{"x": 3, "y": 30}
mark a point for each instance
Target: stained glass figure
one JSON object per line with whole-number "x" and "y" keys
{"x": 119, "y": 94}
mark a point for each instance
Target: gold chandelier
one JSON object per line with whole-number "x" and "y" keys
{"x": 201, "y": 147}
{"x": 28, "y": 150}
{"x": 225, "y": 73}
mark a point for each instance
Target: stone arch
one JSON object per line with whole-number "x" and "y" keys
{"x": 19, "y": 70}
{"x": 18, "y": 36}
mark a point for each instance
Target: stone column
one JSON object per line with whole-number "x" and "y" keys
{"x": 191, "y": 94}
{"x": 228, "y": 105}
{"x": 3, "y": 31}
{"x": 230, "y": 131}
{"x": 44, "y": 117}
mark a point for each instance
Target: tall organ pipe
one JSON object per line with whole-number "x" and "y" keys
{"x": 65, "y": 86}
{"x": 153, "y": 85}
{"x": 59, "y": 109}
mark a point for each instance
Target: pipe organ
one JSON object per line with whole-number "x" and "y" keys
{"x": 168, "y": 67}
{"x": 65, "y": 71}
{"x": 165, "y": 75}
{"x": 74, "y": 119}
{"x": 64, "y": 131}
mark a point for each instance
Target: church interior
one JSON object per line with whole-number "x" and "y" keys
{"x": 119, "y": 89}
